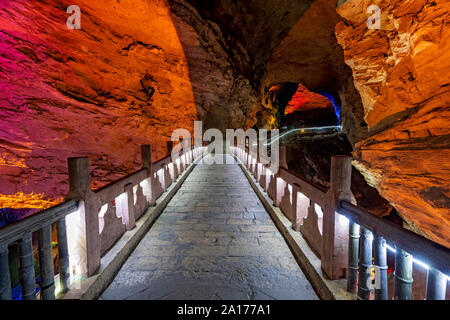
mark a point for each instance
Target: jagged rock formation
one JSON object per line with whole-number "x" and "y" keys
{"x": 401, "y": 73}
{"x": 311, "y": 109}
{"x": 224, "y": 97}
{"x": 309, "y": 54}
{"x": 393, "y": 81}
{"x": 132, "y": 74}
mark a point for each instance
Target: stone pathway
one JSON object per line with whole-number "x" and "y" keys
{"x": 213, "y": 241}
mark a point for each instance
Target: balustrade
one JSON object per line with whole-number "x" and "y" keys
{"x": 348, "y": 237}
{"x": 90, "y": 220}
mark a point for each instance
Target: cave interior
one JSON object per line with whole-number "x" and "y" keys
{"x": 136, "y": 70}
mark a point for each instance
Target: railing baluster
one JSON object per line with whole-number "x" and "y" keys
{"x": 46, "y": 263}
{"x": 63, "y": 253}
{"x": 380, "y": 261}
{"x": 5, "y": 280}
{"x": 436, "y": 285}
{"x": 27, "y": 268}
{"x": 128, "y": 217}
{"x": 403, "y": 275}
{"x": 365, "y": 264}
{"x": 353, "y": 253}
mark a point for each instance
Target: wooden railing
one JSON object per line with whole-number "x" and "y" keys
{"x": 341, "y": 233}
{"x": 88, "y": 223}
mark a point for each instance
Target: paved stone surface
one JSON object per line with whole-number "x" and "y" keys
{"x": 213, "y": 241}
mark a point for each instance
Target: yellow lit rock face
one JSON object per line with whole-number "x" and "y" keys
{"x": 27, "y": 201}
{"x": 401, "y": 73}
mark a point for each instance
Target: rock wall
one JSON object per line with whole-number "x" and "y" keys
{"x": 224, "y": 97}
{"x": 310, "y": 54}
{"x": 132, "y": 74}
{"x": 392, "y": 85}
{"x": 401, "y": 73}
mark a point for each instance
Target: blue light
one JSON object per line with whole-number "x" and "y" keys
{"x": 337, "y": 109}
{"x": 418, "y": 262}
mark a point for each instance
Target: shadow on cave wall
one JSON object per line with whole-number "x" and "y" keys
{"x": 245, "y": 34}
{"x": 265, "y": 42}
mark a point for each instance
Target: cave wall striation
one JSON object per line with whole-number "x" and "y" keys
{"x": 133, "y": 73}
{"x": 401, "y": 73}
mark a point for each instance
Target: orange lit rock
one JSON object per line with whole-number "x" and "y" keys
{"x": 305, "y": 100}
{"x": 130, "y": 76}
{"x": 401, "y": 72}
{"x": 28, "y": 201}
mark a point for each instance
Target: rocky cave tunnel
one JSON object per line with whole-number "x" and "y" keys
{"x": 137, "y": 70}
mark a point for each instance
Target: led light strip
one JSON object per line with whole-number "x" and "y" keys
{"x": 302, "y": 129}
{"x": 420, "y": 263}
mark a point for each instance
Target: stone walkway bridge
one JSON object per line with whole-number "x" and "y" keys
{"x": 214, "y": 240}
{"x": 188, "y": 229}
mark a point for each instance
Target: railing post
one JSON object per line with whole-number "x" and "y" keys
{"x": 278, "y": 186}
{"x": 188, "y": 148}
{"x": 174, "y": 165}
{"x": 335, "y": 233}
{"x": 146, "y": 156}
{"x": 283, "y": 161}
{"x": 267, "y": 179}
{"x": 294, "y": 213}
{"x": 27, "y": 277}
{"x": 254, "y": 162}
{"x": 129, "y": 214}
{"x": 167, "y": 177}
{"x": 272, "y": 189}
{"x": 403, "y": 275}
{"x": 63, "y": 253}
{"x": 258, "y": 159}
{"x": 365, "y": 264}
{"x": 380, "y": 262}
{"x": 183, "y": 164}
{"x": 46, "y": 263}
{"x": 87, "y": 247}
{"x": 436, "y": 285}
{"x": 353, "y": 255}
{"x": 5, "y": 280}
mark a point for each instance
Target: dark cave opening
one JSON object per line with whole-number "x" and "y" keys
{"x": 311, "y": 128}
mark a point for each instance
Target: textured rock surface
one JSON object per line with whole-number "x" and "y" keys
{"x": 224, "y": 97}
{"x": 309, "y": 54}
{"x": 401, "y": 72}
{"x": 309, "y": 109}
{"x": 103, "y": 90}
{"x": 305, "y": 100}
